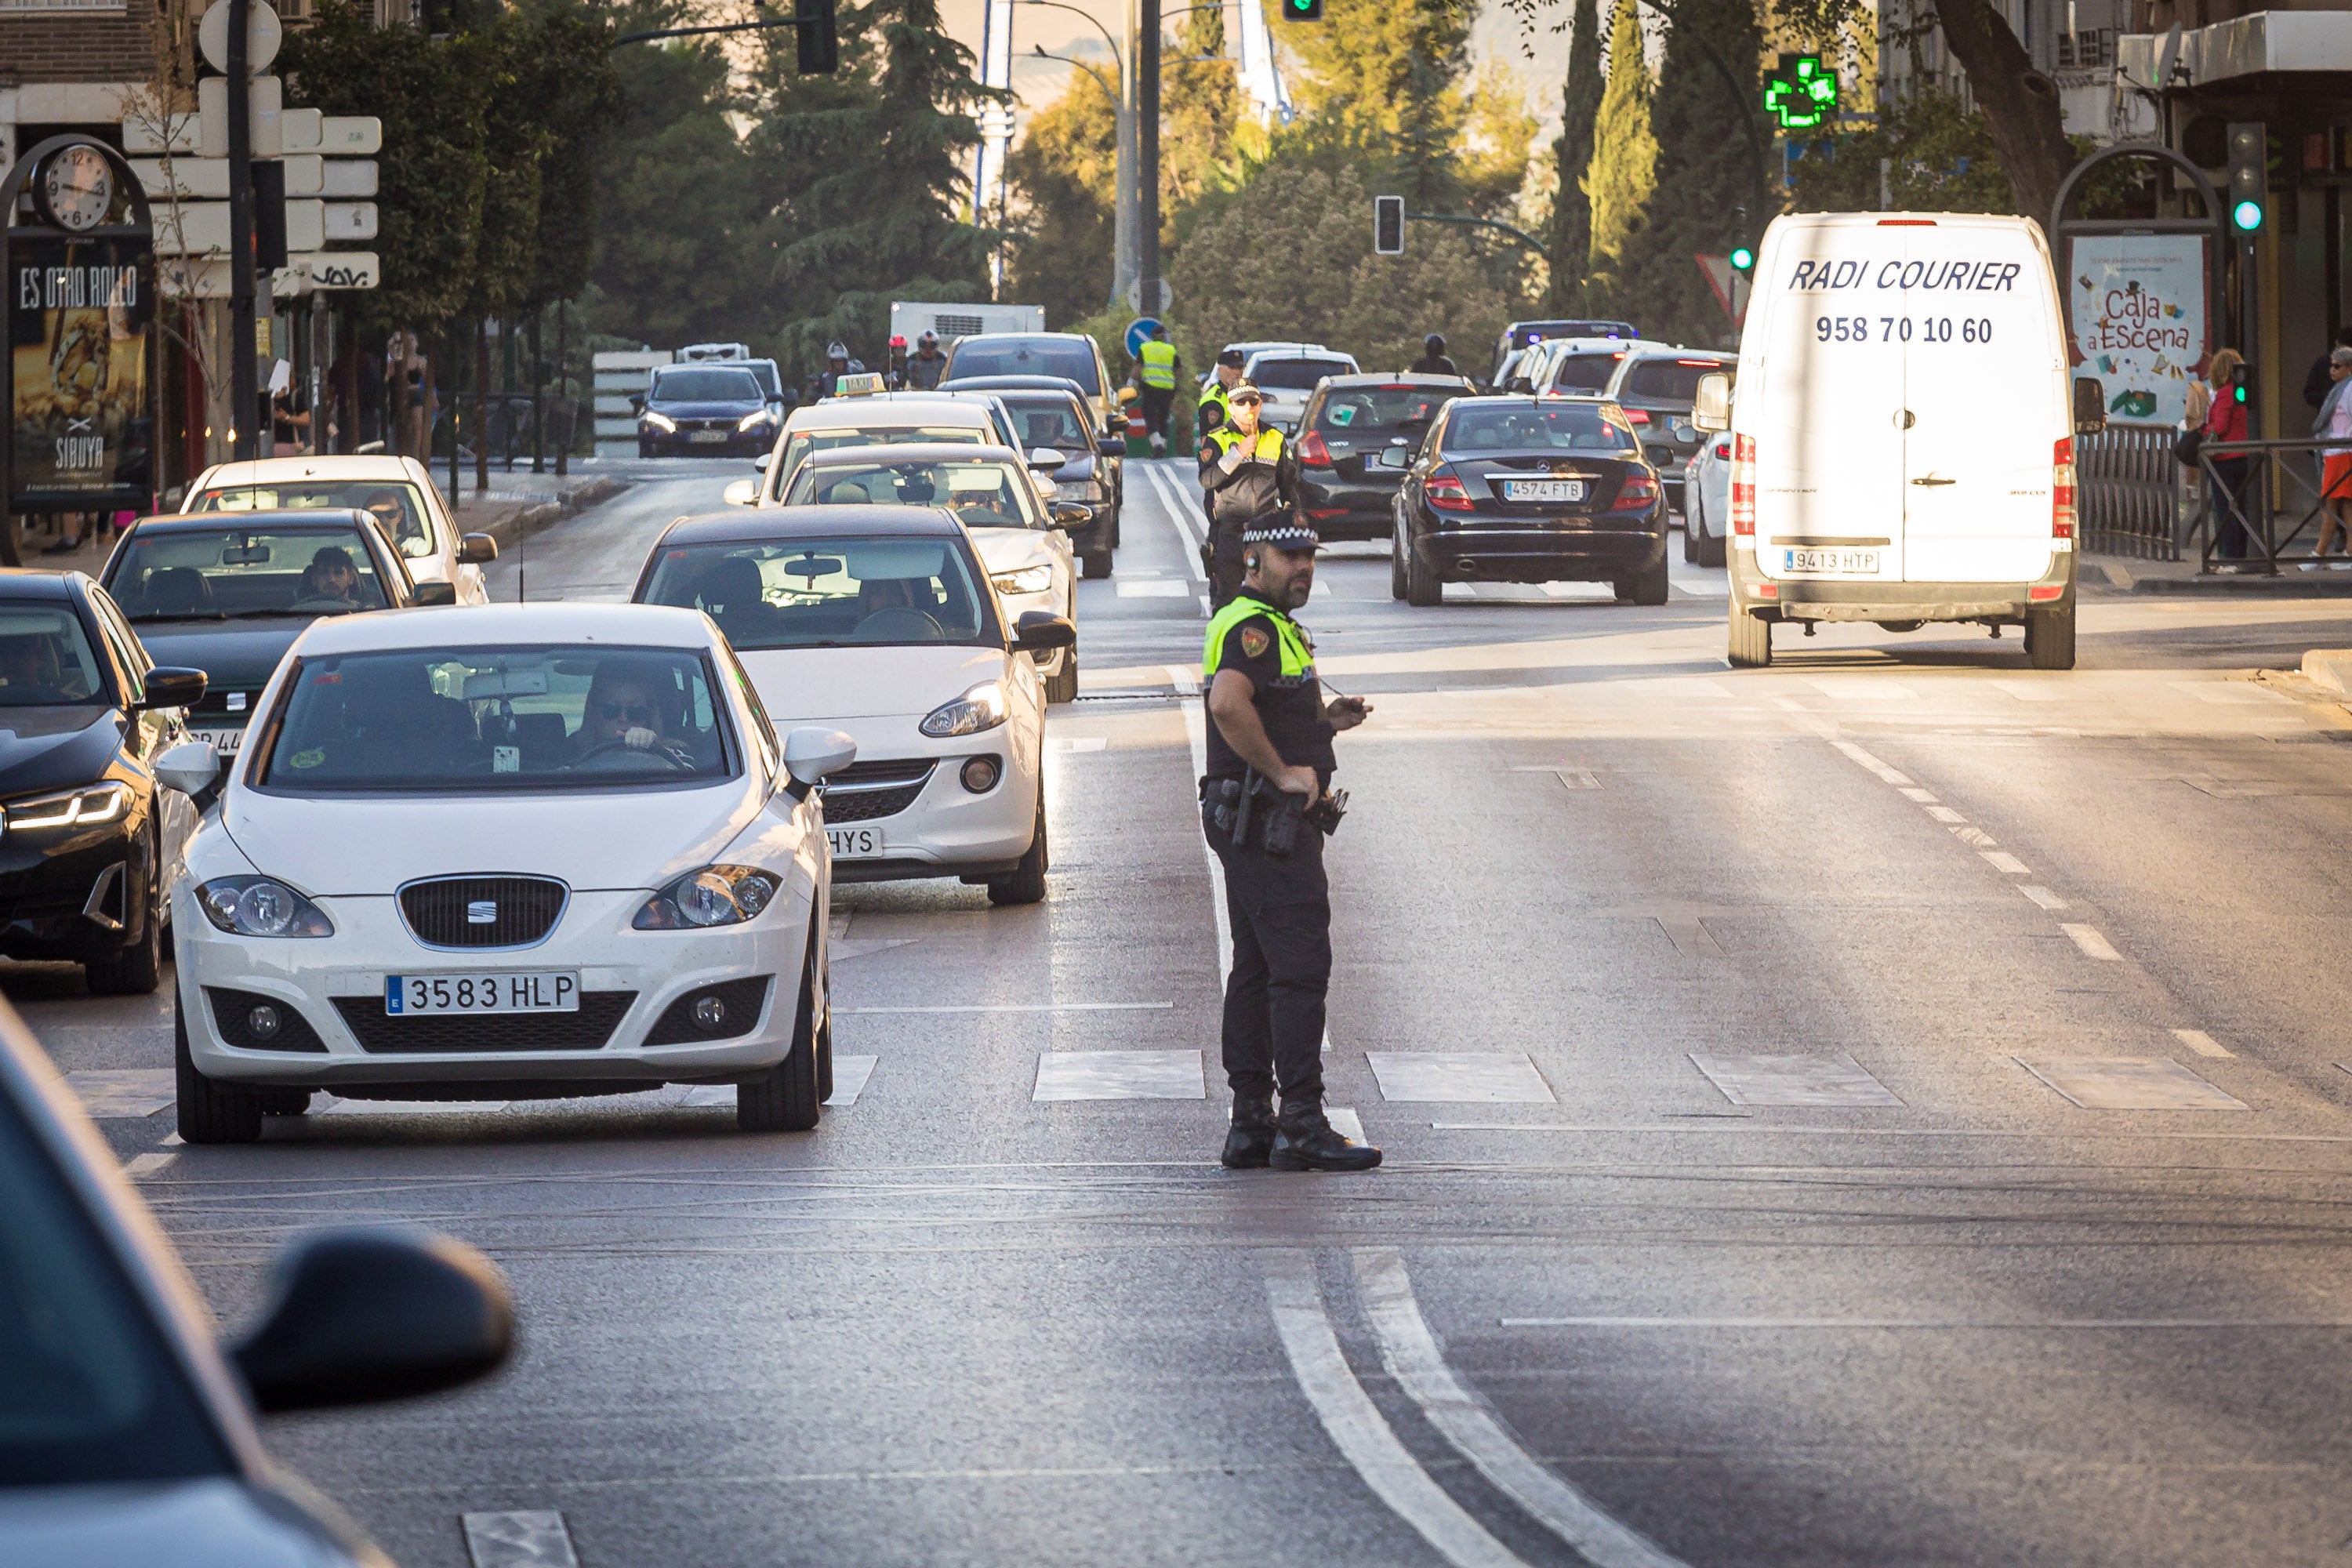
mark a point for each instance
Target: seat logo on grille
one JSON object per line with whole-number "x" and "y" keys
{"x": 481, "y": 912}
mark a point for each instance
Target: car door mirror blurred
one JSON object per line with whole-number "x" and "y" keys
{"x": 171, "y": 686}
{"x": 429, "y": 594}
{"x": 2090, "y": 405}
{"x": 189, "y": 767}
{"x": 477, "y": 550}
{"x": 742, "y": 492}
{"x": 1395, "y": 458}
{"x": 1711, "y": 409}
{"x": 1040, "y": 632}
{"x": 1685, "y": 431}
{"x": 810, "y": 754}
{"x": 1070, "y": 514}
{"x": 763, "y": 460}
{"x": 1046, "y": 459}
{"x": 358, "y": 1315}
{"x": 1109, "y": 448}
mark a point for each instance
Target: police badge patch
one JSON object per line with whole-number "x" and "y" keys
{"x": 1255, "y": 641}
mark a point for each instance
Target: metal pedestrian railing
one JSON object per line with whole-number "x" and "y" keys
{"x": 2262, "y": 497}
{"x": 2127, "y": 491}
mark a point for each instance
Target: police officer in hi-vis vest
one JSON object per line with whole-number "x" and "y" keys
{"x": 1155, "y": 379}
{"x": 1267, "y": 803}
{"x": 1251, "y": 475}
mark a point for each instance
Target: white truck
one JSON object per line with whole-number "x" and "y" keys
{"x": 910, "y": 318}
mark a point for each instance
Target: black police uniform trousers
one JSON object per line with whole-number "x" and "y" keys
{"x": 1156, "y": 401}
{"x": 1226, "y": 556}
{"x": 1280, "y": 915}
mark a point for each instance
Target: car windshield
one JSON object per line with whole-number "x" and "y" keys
{"x": 396, "y": 503}
{"x": 1366, "y": 410}
{"x": 984, "y": 493}
{"x": 1558, "y": 428}
{"x": 234, "y": 571}
{"x": 706, "y": 386}
{"x": 763, "y": 371}
{"x": 1297, "y": 375}
{"x": 1586, "y": 372}
{"x": 46, "y": 661}
{"x": 1026, "y": 356}
{"x": 89, "y": 1391}
{"x": 497, "y": 718}
{"x": 822, "y": 593}
{"x": 1669, "y": 380}
{"x": 1050, "y": 421}
{"x": 801, "y": 443}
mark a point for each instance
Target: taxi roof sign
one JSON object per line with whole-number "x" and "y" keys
{"x": 863, "y": 384}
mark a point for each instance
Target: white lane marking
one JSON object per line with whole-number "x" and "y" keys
{"x": 1945, "y": 813}
{"x": 850, "y": 1075}
{"x": 1505, "y": 1078}
{"x": 1743, "y": 1129}
{"x": 2043, "y": 896}
{"x": 1167, "y": 588}
{"x": 1171, "y": 501}
{"x": 1747, "y": 1078}
{"x": 2002, "y": 860}
{"x": 532, "y": 1539}
{"x": 1924, "y": 798}
{"x": 1027, "y": 1007}
{"x": 2128, "y": 1083}
{"x": 2233, "y": 693}
{"x": 1885, "y": 774}
{"x": 1196, "y": 729}
{"x": 141, "y": 1166}
{"x": 1357, "y": 1427}
{"x": 2093, "y": 945}
{"x": 1343, "y": 1118}
{"x": 1969, "y": 834}
{"x": 2025, "y": 1323}
{"x": 128, "y": 1093}
{"x": 2029, "y": 691}
{"x": 1410, "y": 1352}
{"x": 1119, "y": 1074}
{"x": 2203, "y": 1044}
{"x": 1862, "y": 689}
{"x": 1076, "y": 742}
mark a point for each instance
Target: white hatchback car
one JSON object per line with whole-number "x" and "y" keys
{"x": 520, "y": 851}
{"x": 878, "y": 419}
{"x": 876, "y": 619}
{"x": 397, "y": 489}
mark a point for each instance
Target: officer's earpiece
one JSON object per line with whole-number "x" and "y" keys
{"x": 1249, "y": 561}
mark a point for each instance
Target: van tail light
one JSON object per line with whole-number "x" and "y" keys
{"x": 1312, "y": 452}
{"x": 1446, "y": 493}
{"x": 1743, "y": 485}
{"x": 1638, "y": 491}
{"x": 2061, "y": 489}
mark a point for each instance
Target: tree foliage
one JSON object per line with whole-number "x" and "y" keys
{"x": 1625, "y": 153}
{"x": 1066, "y": 170}
{"x": 1571, "y": 212}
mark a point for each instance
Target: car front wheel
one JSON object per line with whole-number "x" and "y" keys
{"x": 1025, "y": 883}
{"x": 785, "y": 1098}
{"x": 210, "y": 1112}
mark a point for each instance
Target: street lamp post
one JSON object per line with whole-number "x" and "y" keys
{"x": 1122, "y": 269}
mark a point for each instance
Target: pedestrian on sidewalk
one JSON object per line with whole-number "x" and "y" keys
{"x": 2189, "y": 504}
{"x": 2226, "y": 421}
{"x": 2333, "y": 426}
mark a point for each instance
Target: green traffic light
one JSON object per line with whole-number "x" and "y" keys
{"x": 1742, "y": 258}
{"x": 2247, "y": 215}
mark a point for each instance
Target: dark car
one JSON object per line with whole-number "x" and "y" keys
{"x": 704, "y": 410}
{"x": 130, "y": 1435}
{"x": 1525, "y": 335}
{"x": 1070, "y": 356}
{"x": 92, "y": 839}
{"x": 1051, "y": 411}
{"x": 1527, "y": 489}
{"x": 1657, "y": 387}
{"x": 1349, "y": 422}
{"x": 227, "y": 593}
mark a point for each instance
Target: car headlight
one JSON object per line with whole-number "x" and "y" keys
{"x": 260, "y": 906}
{"x": 69, "y": 808}
{"x": 754, "y": 421}
{"x": 714, "y": 896}
{"x": 1027, "y": 580}
{"x": 981, "y": 708}
{"x": 659, "y": 421}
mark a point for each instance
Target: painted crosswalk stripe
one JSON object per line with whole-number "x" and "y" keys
{"x": 125, "y": 1093}
{"x": 2043, "y": 896}
{"x": 1019, "y": 1008}
{"x": 2203, "y": 1044}
{"x": 1119, "y": 1074}
{"x": 523, "y": 1540}
{"x": 152, "y": 1163}
{"x": 2092, "y": 942}
{"x": 1886, "y": 774}
{"x": 1747, "y": 1079}
{"x": 2003, "y": 862}
{"x": 1165, "y": 588}
{"x": 2128, "y": 1083}
{"x": 1505, "y": 1078}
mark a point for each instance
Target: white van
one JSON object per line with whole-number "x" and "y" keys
{"x": 1903, "y": 431}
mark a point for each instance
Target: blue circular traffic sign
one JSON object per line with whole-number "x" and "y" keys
{"x": 1138, "y": 330}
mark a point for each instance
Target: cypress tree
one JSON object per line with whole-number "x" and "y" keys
{"x": 1626, "y": 154}
{"x": 1571, "y": 210}
{"x": 1706, "y": 150}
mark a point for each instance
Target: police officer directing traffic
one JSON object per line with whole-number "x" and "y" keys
{"x": 1155, "y": 382}
{"x": 1212, "y": 409}
{"x": 1267, "y": 803}
{"x": 1251, "y": 475}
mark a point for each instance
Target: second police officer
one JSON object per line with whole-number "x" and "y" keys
{"x": 1250, "y": 476}
{"x": 1155, "y": 381}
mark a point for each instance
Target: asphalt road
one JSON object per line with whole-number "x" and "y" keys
{"x": 1885, "y": 1108}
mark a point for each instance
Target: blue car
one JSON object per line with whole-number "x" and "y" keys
{"x": 704, "y": 410}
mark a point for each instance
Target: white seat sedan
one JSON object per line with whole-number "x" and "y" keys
{"x": 877, "y": 419}
{"x": 877, "y": 619}
{"x": 522, "y": 850}
{"x": 1022, "y": 537}
{"x": 397, "y": 489}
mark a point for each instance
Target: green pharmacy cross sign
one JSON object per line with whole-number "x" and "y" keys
{"x": 1801, "y": 93}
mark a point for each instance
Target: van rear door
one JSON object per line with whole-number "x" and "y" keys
{"x": 1984, "y": 363}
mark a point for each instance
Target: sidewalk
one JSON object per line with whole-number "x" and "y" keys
{"x": 2297, "y": 578}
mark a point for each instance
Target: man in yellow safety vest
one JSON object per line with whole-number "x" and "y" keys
{"x": 1155, "y": 378}
{"x": 1249, "y": 473}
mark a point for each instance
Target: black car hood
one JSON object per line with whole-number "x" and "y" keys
{"x": 56, "y": 748}
{"x": 728, "y": 410}
{"x": 238, "y": 656}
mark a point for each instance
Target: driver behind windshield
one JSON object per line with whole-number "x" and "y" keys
{"x": 28, "y": 672}
{"x": 332, "y": 581}
{"x": 624, "y": 709}
{"x": 389, "y": 510}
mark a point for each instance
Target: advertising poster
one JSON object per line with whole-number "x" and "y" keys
{"x": 80, "y": 317}
{"x": 2137, "y": 305}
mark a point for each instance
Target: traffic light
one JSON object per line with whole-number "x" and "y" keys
{"x": 1303, "y": 10}
{"x": 2240, "y": 381}
{"x": 820, "y": 43}
{"x": 1743, "y": 259}
{"x": 1801, "y": 93}
{"x": 1387, "y": 222}
{"x": 2249, "y": 175}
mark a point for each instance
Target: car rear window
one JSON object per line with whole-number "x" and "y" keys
{"x": 1596, "y": 427}
{"x": 982, "y": 494}
{"x": 708, "y": 386}
{"x": 1585, "y": 373}
{"x": 183, "y": 575}
{"x": 396, "y": 503}
{"x": 1356, "y": 410}
{"x": 1050, "y": 419}
{"x": 1669, "y": 380}
{"x": 1297, "y": 375}
{"x": 821, "y": 593}
{"x": 1025, "y": 356}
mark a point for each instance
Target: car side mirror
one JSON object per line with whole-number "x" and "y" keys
{"x": 1046, "y": 459}
{"x": 376, "y": 1313}
{"x": 1519, "y": 384}
{"x": 171, "y": 686}
{"x": 1040, "y": 632}
{"x": 763, "y": 460}
{"x": 1711, "y": 408}
{"x": 189, "y": 767}
{"x": 637, "y": 403}
{"x": 477, "y": 550}
{"x": 1395, "y": 458}
{"x": 2090, "y": 405}
{"x": 810, "y": 754}
{"x": 1069, "y": 515}
{"x": 1684, "y": 430}
{"x": 742, "y": 492}
{"x": 1109, "y": 448}
{"x": 430, "y": 595}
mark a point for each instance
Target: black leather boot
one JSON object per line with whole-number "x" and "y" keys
{"x": 1303, "y": 1141}
{"x": 1252, "y": 1139}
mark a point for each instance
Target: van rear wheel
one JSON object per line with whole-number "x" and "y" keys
{"x": 2050, "y": 639}
{"x": 1751, "y": 640}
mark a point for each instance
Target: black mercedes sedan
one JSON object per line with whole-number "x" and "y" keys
{"x": 704, "y": 411}
{"x": 1525, "y": 489}
{"x": 227, "y": 593}
{"x": 1349, "y": 422}
{"x": 89, "y": 841}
